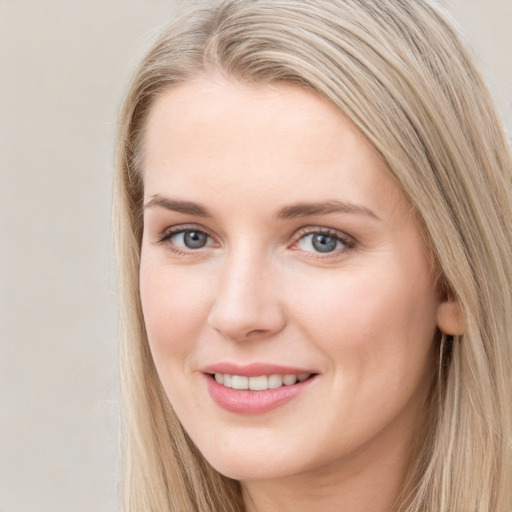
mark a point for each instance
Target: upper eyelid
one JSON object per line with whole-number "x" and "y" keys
{"x": 301, "y": 231}
{"x": 174, "y": 230}
{"x": 308, "y": 230}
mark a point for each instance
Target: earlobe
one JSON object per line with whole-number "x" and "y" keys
{"x": 450, "y": 320}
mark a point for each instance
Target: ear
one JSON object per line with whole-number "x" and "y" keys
{"x": 449, "y": 317}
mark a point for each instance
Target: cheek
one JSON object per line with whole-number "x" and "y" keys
{"x": 371, "y": 324}
{"x": 175, "y": 308}
{"x": 377, "y": 332}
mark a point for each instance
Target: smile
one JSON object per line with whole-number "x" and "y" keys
{"x": 256, "y": 389}
{"x": 260, "y": 382}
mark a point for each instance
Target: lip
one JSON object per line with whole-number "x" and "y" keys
{"x": 247, "y": 402}
{"x": 255, "y": 369}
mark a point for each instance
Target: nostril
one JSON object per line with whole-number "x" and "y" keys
{"x": 255, "y": 332}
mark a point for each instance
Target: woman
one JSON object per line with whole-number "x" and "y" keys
{"x": 314, "y": 221}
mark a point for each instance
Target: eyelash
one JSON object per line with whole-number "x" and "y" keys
{"x": 165, "y": 238}
{"x": 348, "y": 242}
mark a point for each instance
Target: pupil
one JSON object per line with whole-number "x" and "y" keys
{"x": 324, "y": 243}
{"x": 194, "y": 239}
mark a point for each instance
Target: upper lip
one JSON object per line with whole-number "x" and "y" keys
{"x": 254, "y": 369}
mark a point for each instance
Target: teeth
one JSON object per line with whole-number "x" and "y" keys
{"x": 239, "y": 382}
{"x": 275, "y": 381}
{"x": 289, "y": 380}
{"x": 260, "y": 383}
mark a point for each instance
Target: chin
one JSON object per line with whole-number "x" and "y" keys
{"x": 256, "y": 463}
{"x": 250, "y": 470}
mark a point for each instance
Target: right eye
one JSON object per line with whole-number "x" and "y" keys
{"x": 187, "y": 239}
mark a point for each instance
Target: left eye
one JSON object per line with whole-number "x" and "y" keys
{"x": 320, "y": 242}
{"x": 190, "y": 239}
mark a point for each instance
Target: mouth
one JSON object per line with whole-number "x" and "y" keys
{"x": 259, "y": 382}
{"x": 256, "y": 389}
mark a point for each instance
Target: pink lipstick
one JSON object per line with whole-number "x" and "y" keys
{"x": 256, "y": 388}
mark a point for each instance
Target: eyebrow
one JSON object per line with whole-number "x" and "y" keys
{"x": 178, "y": 205}
{"x": 323, "y": 208}
{"x": 288, "y": 212}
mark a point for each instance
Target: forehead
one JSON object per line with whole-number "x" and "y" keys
{"x": 245, "y": 112}
{"x": 217, "y": 134}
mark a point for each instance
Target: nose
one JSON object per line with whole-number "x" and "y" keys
{"x": 247, "y": 306}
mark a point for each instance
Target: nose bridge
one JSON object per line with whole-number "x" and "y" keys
{"x": 247, "y": 304}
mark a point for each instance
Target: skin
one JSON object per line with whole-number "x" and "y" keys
{"x": 364, "y": 316}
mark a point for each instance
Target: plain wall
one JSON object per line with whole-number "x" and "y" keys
{"x": 63, "y": 67}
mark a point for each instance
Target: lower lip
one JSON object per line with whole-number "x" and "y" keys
{"x": 243, "y": 401}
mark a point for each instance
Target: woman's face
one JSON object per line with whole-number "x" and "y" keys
{"x": 276, "y": 244}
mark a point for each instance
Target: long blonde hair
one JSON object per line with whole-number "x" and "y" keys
{"x": 402, "y": 74}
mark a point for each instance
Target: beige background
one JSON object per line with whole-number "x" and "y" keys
{"x": 63, "y": 67}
